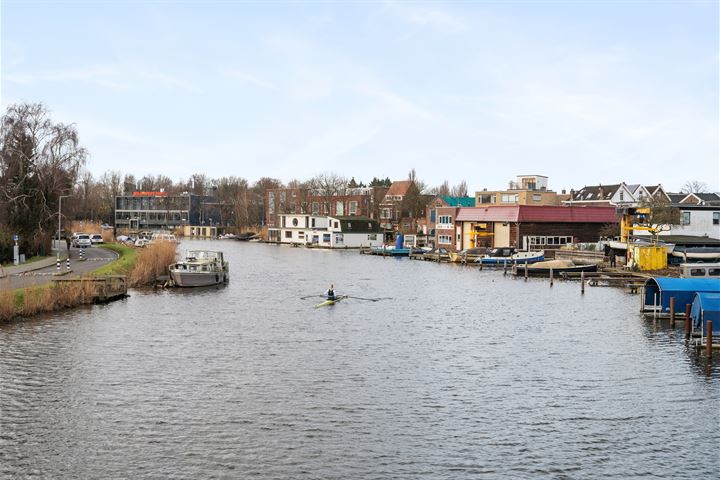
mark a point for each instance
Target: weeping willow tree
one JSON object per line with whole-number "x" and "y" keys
{"x": 39, "y": 161}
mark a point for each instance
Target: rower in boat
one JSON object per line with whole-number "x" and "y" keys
{"x": 331, "y": 292}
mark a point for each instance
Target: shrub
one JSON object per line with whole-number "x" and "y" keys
{"x": 152, "y": 262}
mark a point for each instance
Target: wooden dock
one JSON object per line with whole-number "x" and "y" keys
{"x": 105, "y": 289}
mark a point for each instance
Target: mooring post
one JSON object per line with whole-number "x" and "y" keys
{"x": 582, "y": 283}
{"x": 708, "y": 338}
{"x": 672, "y": 312}
{"x": 687, "y": 321}
{"x": 551, "y": 277}
{"x": 526, "y": 271}
{"x": 505, "y": 267}
{"x": 655, "y": 306}
{"x": 67, "y": 263}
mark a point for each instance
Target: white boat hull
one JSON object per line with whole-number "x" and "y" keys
{"x": 197, "y": 279}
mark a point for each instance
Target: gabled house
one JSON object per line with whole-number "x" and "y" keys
{"x": 658, "y": 193}
{"x": 701, "y": 199}
{"x": 391, "y": 205}
{"x": 614, "y": 195}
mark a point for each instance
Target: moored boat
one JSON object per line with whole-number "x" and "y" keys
{"x": 557, "y": 267}
{"x": 200, "y": 268}
{"x": 509, "y": 256}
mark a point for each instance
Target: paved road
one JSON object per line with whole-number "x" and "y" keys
{"x": 43, "y": 270}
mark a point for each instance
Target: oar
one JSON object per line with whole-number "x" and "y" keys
{"x": 368, "y": 299}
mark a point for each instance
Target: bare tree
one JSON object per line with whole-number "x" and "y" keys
{"x": 460, "y": 190}
{"x": 443, "y": 189}
{"x": 328, "y": 186}
{"x": 39, "y": 161}
{"x": 694, "y": 186}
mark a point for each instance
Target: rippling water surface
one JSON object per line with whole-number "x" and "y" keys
{"x": 457, "y": 373}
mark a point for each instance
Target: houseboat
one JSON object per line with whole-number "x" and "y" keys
{"x": 200, "y": 268}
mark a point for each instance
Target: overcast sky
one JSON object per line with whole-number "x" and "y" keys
{"x": 583, "y": 92}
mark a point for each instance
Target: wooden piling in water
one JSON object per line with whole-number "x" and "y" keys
{"x": 672, "y": 312}
{"x": 504, "y": 266}
{"x": 582, "y": 283}
{"x": 551, "y": 277}
{"x": 687, "y": 321}
{"x": 526, "y": 271}
{"x": 708, "y": 338}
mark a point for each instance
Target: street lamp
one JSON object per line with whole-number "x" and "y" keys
{"x": 59, "y": 223}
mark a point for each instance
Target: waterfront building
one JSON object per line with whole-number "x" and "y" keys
{"x": 525, "y": 190}
{"x": 525, "y": 227}
{"x": 443, "y": 201}
{"x": 356, "y": 201}
{"x": 164, "y": 211}
{"x": 326, "y": 231}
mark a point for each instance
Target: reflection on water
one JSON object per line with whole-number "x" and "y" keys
{"x": 457, "y": 373}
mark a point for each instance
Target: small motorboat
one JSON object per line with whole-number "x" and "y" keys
{"x": 468, "y": 255}
{"x": 200, "y": 268}
{"x": 697, "y": 254}
{"x": 510, "y": 256}
{"x": 542, "y": 269}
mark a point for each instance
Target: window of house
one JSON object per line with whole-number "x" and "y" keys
{"x": 295, "y": 222}
{"x": 622, "y": 196}
{"x": 385, "y": 213}
{"x": 339, "y": 208}
{"x": 336, "y": 224}
{"x": 301, "y": 234}
{"x": 312, "y": 222}
{"x": 509, "y": 198}
{"x": 537, "y": 197}
{"x": 716, "y": 218}
{"x": 432, "y": 215}
{"x": 349, "y": 226}
{"x": 288, "y": 234}
{"x": 353, "y": 208}
{"x": 326, "y": 237}
{"x": 271, "y": 203}
{"x": 315, "y": 208}
{"x": 444, "y": 239}
{"x": 444, "y": 219}
{"x": 283, "y": 197}
{"x": 686, "y": 218}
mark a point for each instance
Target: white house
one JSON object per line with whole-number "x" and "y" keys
{"x": 325, "y": 231}
{"x": 696, "y": 221}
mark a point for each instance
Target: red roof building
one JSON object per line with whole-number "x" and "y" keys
{"x": 527, "y": 227}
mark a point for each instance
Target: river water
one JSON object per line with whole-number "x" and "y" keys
{"x": 455, "y": 373}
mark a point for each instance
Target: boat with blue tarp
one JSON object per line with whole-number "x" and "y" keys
{"x": 706, "y": 306}
{"x": 657, "y": 292}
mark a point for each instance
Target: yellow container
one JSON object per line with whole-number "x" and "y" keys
{"x": 649, "y": 257}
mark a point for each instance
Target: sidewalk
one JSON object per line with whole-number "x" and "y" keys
{"x": 29, "y": 267}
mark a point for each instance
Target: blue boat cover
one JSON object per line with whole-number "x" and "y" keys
{"x": 683, "y": 289}
{"x": 706, "y": 306}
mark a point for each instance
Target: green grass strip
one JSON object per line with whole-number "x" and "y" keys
{"x": 123, "y": 265}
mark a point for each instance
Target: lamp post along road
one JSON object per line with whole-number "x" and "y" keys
{"x": 59, "y": 223}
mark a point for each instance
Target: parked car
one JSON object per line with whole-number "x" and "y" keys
{"x": 96, "y": 238}
{"x": 81, "y": 240}
{"x": 106, "y": 226}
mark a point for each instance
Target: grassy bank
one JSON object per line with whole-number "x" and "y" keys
{"x": 140, "y": 266}
{"x": 123, "y": 265}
